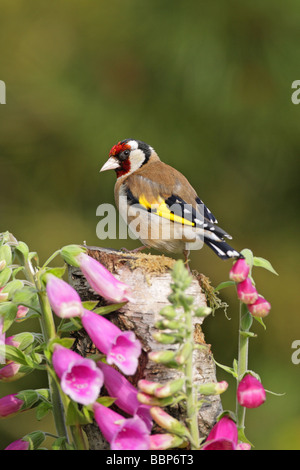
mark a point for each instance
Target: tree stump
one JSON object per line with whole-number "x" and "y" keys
{"x": 149, "y": 277}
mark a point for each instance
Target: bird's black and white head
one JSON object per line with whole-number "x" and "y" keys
{"x": 128, "y": 156}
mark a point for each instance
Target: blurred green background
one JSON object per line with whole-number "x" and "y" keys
{"x": 208, "y": 85}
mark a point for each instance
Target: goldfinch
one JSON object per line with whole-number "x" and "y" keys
{"x": 160, "y": 205}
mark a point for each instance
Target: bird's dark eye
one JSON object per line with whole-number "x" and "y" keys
{"x": 125, "y": 154}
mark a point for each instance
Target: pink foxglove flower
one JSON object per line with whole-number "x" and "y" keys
{"x": 10, "y": 405}
{"x": 11, "y": 341}
{"x": 260, "y": 308}
{"x": 250, "y": 392}
{"x": 102, "y": 281}
{"x": 246, "y": 291}
{"x": 119, "y": 387}
{"x": 239, "y": 271}
{"x": 31, "y": 441}
{"x": 64, "y": 300}
{"x": 80, "y": 378}
{"x": 168, "y": 422}
{"x": 223, "y": 436}
{"x": 21, "y": 313}
{"x": 121, "y": 347}
{"x": 121, "y": 433}
{"x": 243, "y": 446}
{"x": 164, "y": 441}
{"x": 2, "y": 264}
{"x": 10, "y": 372}
{"x": 3, "y": 295}
{"x": 18, "y": 445}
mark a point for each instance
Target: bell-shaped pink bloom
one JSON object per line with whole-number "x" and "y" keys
{"x": 223, "y": 436}
{"x": 239, "y": 271}
{"x": 243, "y": 446}
{"x": 9, "y": 372}
{"x": 250, "y": 392}
{"x": 63, "y": 299}
{"x": 3, "y": 295}
{"x": 260, "y": 308}
{"x": 103, "y": 281}
{"x": 246, "y": 291}
{"x": 11, "y": 341}
{"x": 164, "y": 441}
{"x": 21, "y": 313}
{"x": 119, "y": 387}
{"x": 121, "y": 347}
{"x": 81, "y": 379}
{"x": 18, "y": 445}
{"x": 9, "y": 405}
{"x": 120, "y": 432}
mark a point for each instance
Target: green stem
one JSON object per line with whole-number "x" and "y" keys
{"x": 49, "y": 332}
{"x": 78, "y": 438}
{"x": 191, "y": 400}
{"x": 243, "y": 349}
{"x": 51, "y": 258}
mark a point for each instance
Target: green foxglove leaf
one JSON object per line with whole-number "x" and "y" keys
{"x": 260, "y": 320}
{"x": 264, "y": 263}
{"x": 109, "y": 308}
{"x": 33, "y": 256}
{"x": 16, "y": 271}
{"x": 61, "y": 444}
{"x": 58, "y": 272}
{"x": 12, "y": 287}
{"x": 90, "y": 304}
{"x": 42, "y": 409}
{"x": 248, "y": 257}
{"x": 223, "y": 285}
{"x": 274, "y": 393}
{"x": 25, "y": 339}
{"x": 106, "y": 401}
{"x": 6, "y": 254}
{"x": 230, "y": 370}
{"x": 23, "y": 248}
{"x": 5, "y": 276}
{"x": 246, "y": 318}
{"x": 8, "y": 312}
{"x": 70, "y": 252}
{"x": 72, "y": 325}
{"x": 26, "y": 296}
{"x": 243, "y": 438}
{"x": 75, "y": 416}
{"x": 32, "y": 397}
{"x": 16, "y": 355}
{"x": 248, "y": 334}
{"x": 66, "y": 342}
{"x": 35, "y": 439}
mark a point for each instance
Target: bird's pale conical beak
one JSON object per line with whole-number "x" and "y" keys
{"x": 111, "y": 164}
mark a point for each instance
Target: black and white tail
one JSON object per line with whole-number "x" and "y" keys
{"x": 222, "y": 249}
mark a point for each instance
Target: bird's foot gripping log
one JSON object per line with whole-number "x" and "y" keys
{"x": 149, "y": 278}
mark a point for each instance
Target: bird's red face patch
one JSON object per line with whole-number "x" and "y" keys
{"x": 124, "y": 169}
{"x": 125, "y": 163}
{"x": 117, "y": 149}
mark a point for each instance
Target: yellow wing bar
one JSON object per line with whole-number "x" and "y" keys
{"x": 161, "y": 209}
